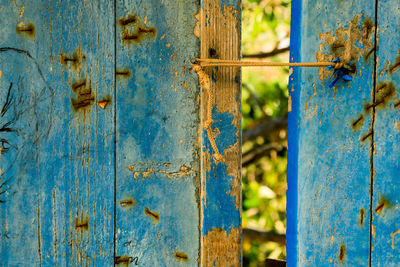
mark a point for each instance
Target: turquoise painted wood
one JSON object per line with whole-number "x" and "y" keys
{"x": 343, "y": 190}
{"x": 57, "y": 182}
{"x": 100, "y": 135}
{"x": 157, "y": 119}
{"x": 386, "y": 182}
{"x": 329, "y": 168}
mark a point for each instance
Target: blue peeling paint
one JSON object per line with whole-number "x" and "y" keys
{"x": 219, "y": 204}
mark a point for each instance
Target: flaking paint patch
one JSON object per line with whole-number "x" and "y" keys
{"x": 232, "y": 158}
{"x": 197, "y": 27}
{"x": 393, "y": 235}
{"x": 348, "y": 43}
{"x": 147, "y": 172}
{"x": 222, "y": 248}
{"x": 220, "y": 184}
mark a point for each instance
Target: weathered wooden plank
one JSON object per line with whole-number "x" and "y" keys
{"x": 158, "y": 165}
{"x": 57, "y": 133}
{"x": 385, "y": 232}
{"x": 329, "y": 140}
{"x": 221, "y": 231}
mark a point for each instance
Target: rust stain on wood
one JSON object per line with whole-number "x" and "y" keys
{"x": 356, "y": 124}
{"x": 28, "y": 29}
{"x": 82, "y": 222}
{"x": 134, "y": 31}
{"x": 131, "y": 19}
{"x": 395, "y": 66}
{"x": 382, "y": 204}
{"x": 181, "y": 256}
{"x": 362, "y": 215}
{"x": 125, "y": 73}
{"x": 366, "y": 136}
{"x": 125, "y": 260}
{"x": 74, "y": 60}
{"x": 128, "y": 202}
{"x": 84, "y": 95}
{"x": 342, "y": 253}
{"x": 384, "y": 92}
{"x": 152, "y": 214}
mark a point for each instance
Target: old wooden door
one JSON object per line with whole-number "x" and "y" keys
{"x": 104, "y": 157}
{"x": 344, "y": 171}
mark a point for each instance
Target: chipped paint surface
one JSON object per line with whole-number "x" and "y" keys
{"x": 86, "y": 118}
{"x": 148, "y": 171}
{"x": 328, "y": 160}
{"x": 57, "y": 180}
{"x": 348, "y": 43}
{"x": 386, "y": 194}
{"x": 157, "y": 108}
{"x": 345, "y": 156}
{"x": 220, "y": 102}
{"x": 220, "y": 245}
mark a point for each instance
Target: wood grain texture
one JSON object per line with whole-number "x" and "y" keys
{"x": 158, "y": 164}
{"x": 329, "y": 141}
{"x": 386, "y": 186}
{"x": 221, "y": 180}
{"x": 101, "y": 137}
{"x": 57, "y": 142}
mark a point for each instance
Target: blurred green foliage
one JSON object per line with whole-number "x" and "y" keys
{"x": 266, "y": 27}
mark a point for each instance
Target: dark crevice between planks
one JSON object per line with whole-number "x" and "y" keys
{"x": 115, "y": 134}
{"x": 372, "y": 148}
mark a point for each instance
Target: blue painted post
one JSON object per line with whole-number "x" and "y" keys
{"x": 342, "y": 184}
{"x": 329, "y": 142}
{"x": 157, "y": 159}
{"x": 220, "y": 162}
{"x": 56, "y": 133}
{"x": 385, "y": 231}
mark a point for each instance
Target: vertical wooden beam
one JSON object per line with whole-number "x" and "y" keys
{"x": 220, "y": 24}
{"x": 330, "y": 147}
{"x": 58, "y": 199}
{"x": 157, "y": 160}
{"x": 385, "y": 230}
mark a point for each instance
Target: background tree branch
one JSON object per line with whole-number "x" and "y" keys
{"x": 264, "y": 128}
{"x": 257, "y": 153}
{"x": 268, "y": 54}
{"x": 264, "y": 236}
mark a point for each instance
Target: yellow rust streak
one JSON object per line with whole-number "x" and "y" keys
{"x": 393, "y": 235}
{"x": 21, "y": 12}
{"x": 38, "y": 231}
